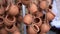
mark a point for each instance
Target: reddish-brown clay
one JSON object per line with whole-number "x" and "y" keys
{"x": 43, "y": 5}
{"x": 45, "y": 28}
{"x": 37, "y": 21}
{"x": 16, "y": 32}
{"x": 50, "y": 15}
{"x": 1, "y": 21}
{"x": 28, "y": 19}
{"x": 42, "y": 33}
{"x": 32, "y": 29}
{"x": 3, "y": 31}
{"x": 31, "y": 9}
{"x": 13, "y": 10}
{"x": 9, "y": 20}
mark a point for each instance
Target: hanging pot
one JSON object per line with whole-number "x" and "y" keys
{"x": 45, "y": 28}
{"x": 28, "y": 19}
{"x": 38, "y": 14}
{"x": 31, "y": 9}
{"x": 32, "y": 29}
{"x": 1, "y": 10}
{"x": 11, "y": 28}
{"x": 50, "y": 15}
{"x": 43, "y": 4}
{"x": 3, "y": 31}
{"x": 1, "y": 21}
{"x": 37, "y": 21}
{"x": 13, "y": 10}
{"x": 9, "y": 20}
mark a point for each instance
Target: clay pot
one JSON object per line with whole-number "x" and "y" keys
{"x": 38, "y": 14}
{"x": 3, "y": 31}
{"x": 45, "y": 28}
{"x": 11, "y": 28}
{"x": 16, "y": 32}
{"x": 13, "y": 10}
{"x": 31, "y": 9}
{"x": 1, "y": 21}
{"x": 1, "y": 10}
{"x": 20, "y": 18}
{"x": 50, "y": 15}
{"x": 9, "y": 20}
{"x": 32, "y": 29}
{"x": 37, "y": 21}
{"x": 43, "y": 4}
{"x": 28, "y": 19}
{"x": 25, "y": 2}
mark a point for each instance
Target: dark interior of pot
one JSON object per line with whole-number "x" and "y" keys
{"x": 9, "y": 27}
{"x": 36, "y": 20}
{"x": 1, "y": 20}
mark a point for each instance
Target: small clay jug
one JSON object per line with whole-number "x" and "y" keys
{"x": 28, "y": 19}
{"x": 1, "y": 21}
{"x": 9, "y": 20}
{"x": 43, "y": 4}
{"x": 37, "y": 21}
{"x": 45, "y": 28}
{"x": 32, "y": 29}
{"x": 50, "y": 15}
{"x": 3, "y": 31}
{"x": 13, "y": 10}
{"x": 1, "y": 10}
{"x": 32, "y": 8}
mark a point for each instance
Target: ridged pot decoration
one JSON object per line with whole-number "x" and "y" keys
{"x": 13, "y": 10}
{"x": 32, "y": 29}
{"x": 28, "y": 19}
{"x": 32, "y": 8}
{"x": 43, "y": 4}
{"x": 50, "y": 15}
{"x": 9, "y": 20}
{"x": 3, "y": 31}
{"x": 1, "y": 21}
{"x": 45, "y": 27}
{"x": 1, "y": 10}
{"x": 37, "y": 21}
{"x": 11, "y": 28}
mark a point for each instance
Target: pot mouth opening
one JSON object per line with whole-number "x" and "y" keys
{"x": 10, "y": 27}
{"x": 10, "y": 18}
{"x": 36, "y": 20}
{"x": 35, "y": 27}
{"x": 1, "y": 20}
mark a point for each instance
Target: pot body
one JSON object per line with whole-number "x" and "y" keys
{"x": 28, "y": 19}
{"x": 13, "y": 10}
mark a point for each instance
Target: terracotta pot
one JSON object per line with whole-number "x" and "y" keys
{"x": 32, "y": 29}
{"x": 1, "y": 21}
{"x": 37, "y": 21}
{"x": 25, "y": 2}
{"x": 20, "y": 19}
{"x": 45, "y": 28}
{"x": 43, "y": 4}
{"x": 3, "y": 31}
{"x": 28, "y": 19}
{"x": 1, "y": 10}
{"x": 9, "y": 20}
{"x": 13, "y": 10}
{"x": 16, "y": 32}
{"x": 50, "y": 15}
{"x": 31, "y": 9}
{"x": 38, "y": 14}
{"x": 11, "y": 28}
